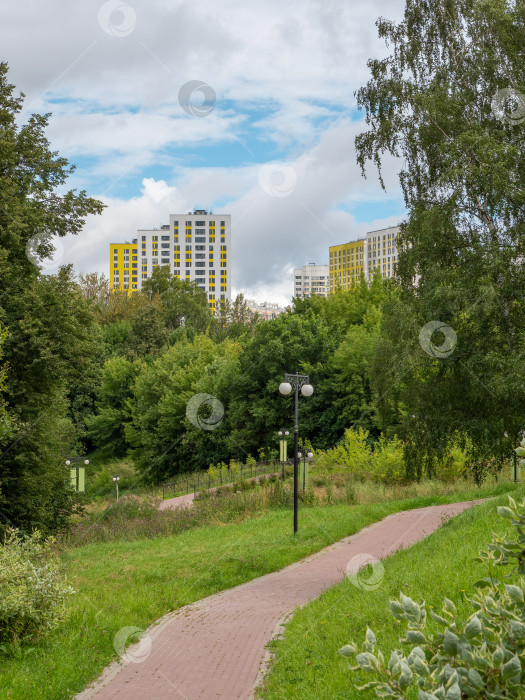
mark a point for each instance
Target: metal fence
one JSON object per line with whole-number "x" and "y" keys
{"x": 203, "y": 481}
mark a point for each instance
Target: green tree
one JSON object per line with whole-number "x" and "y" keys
{"x": 182, "y": 302}
{"x": 107, "y": 427}
{"x": 289, "y": 343}
{"x": 51, "y": 339}
{"x": 164, "y": 439}
{"x": 437, "y": 104}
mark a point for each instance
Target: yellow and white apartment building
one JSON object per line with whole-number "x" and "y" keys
{"x": 377, "y": 251}
{"x": 346, "y": 264}
{"x": 196, "y": 247}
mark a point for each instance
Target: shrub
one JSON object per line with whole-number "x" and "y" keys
{"x": 387, "y": 463}
{"x": 352, "y": 453}
{"x": 480, "y": 658}
{"x": 453, "y": 465}
{"x": 34, "y": 592}
{"x": 130, "y": 507}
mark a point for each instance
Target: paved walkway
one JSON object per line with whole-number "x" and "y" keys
{"x": 187, "y": 500}
{"x": 215, "y": 648}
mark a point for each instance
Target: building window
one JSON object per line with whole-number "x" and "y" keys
{"x": 200, "y": 239}
{"x": 200, "y": 264}
{"x": 164, "y": 238}
{"x": 164, "y": 245}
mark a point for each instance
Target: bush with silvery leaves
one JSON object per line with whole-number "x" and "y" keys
{"x": 483, "y": 657}
{"x": 33, "y": 591}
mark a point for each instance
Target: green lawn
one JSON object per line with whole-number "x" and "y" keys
{"x": 306, "y": 663}
{"x": 122, "y": 584}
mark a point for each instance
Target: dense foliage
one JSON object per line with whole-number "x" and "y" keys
{"x": 446, "y": 102}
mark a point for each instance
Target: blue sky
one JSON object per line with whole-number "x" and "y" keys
{"x": 273, "y": 145}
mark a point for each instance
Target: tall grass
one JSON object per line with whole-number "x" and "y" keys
{"x": 135, "y": 518}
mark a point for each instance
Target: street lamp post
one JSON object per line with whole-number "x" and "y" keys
{"x": 296, "y": 381}
{"x": 116, "y": 480}
{"x": 283, "y": 445}
{"x": 306, "y": 456}
{"x": 79, "y": 483}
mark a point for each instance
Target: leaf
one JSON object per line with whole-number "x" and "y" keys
{"x": 440, "y": 620}
{"x": 511, "y": 669}
{"x": 367, "y": 661}
{"x": 483, "y": 583}
{"x": 515, "y": 593}
{"x": 517, "y": 629}
{"x": 415, "y": 637}
{"x": 348, "y": 650}
{"x": 450, "y": 643}
{"x": 505, "y": 512}
{"x": 370, "y": 638}
{"x": 410, "y": 607}
{"x": 454, "y": 692}
{"x": 473, "y": 628}
{"x": 475, "y": 679}
{"x": 396, "y": 609}
{"x": 449, "y": 606}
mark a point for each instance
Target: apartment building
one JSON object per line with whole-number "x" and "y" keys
{"x": 310, "y": 280}
{"x": 195, "y": 246}
{"x": 382, "y": 252}
{"x": 123, "y": 273}
{"x": 377, "y": 251}
{"x": 347, "y": 262}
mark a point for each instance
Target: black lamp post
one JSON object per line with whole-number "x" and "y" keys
{"x": 296, "y": 381}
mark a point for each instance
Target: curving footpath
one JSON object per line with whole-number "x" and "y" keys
{"x": 216, "y": 647}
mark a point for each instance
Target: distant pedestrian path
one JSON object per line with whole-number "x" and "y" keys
{"x": 215, "y": 648}
{"x": 187, "y": 500}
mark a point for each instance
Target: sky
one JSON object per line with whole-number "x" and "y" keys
{"x": 244, "y": 108}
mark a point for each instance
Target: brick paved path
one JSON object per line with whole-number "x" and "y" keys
{"x": 215, "y": 648}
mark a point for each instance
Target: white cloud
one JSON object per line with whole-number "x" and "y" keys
{"x": 295, "y": 66}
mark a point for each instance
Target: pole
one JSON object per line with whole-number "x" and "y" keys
{"x": 304, "y": 469}
{"x": 116, "y": 482}
{"x": 515, "y": 469}
{"x": 295, "y": 458}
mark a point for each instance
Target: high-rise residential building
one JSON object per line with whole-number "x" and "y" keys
{"x": 196, "y": 247}
{"x": 123, "y": 273}
{"x": 377, "y": 251}
{"x": 310, "y": 280}
{"x": 346, "y": 264}
{"x": 382, "y": 251}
